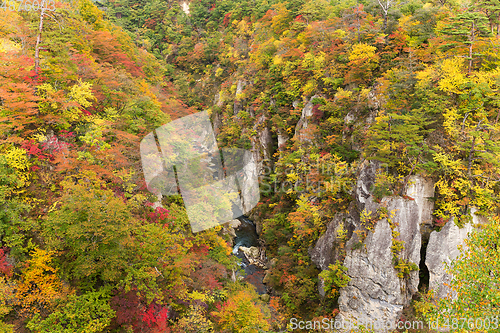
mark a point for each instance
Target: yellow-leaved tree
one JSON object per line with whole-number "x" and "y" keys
{"x": 39, "y": 286}
{"x": 240, "y": 313}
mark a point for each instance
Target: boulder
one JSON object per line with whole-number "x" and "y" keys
{"x": 251, "y": 252}
{"x": 267, "y": 277}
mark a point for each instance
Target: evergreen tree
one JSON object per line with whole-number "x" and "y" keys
{"x": 466, "y": 30}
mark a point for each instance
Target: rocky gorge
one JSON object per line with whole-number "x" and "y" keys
{"x": 388, "y": 244}
{"x": 380, "y": 287}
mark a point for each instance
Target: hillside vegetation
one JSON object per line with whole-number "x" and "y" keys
{"x": 85, "y": 247}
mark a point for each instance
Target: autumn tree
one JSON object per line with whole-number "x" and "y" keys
{"x": 40, "y": 285}
{"x": 468, "y": 167}
{"x": 89, "y": 312}
{"x": 92, "y": 226}
{"x": 466, "y": 29}
{"x": 240, "y": 313}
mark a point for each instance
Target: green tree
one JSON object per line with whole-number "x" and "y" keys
{"x": 87, "y": 313}
{"x": 91, "y": 228}
{"x": 334, "y": 277}
{"x": 397, "y": 140}
{"x": 466, "y": 30}
{"x": 491, "y": 8}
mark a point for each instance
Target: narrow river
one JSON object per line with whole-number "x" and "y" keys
{"x": 246, "y": 235}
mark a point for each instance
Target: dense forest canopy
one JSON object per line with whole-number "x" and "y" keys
{"x": 315, "y": 88}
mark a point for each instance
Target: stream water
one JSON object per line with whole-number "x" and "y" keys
{"x": 246, "y": 235}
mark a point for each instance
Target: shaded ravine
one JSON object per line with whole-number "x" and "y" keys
{"x": 246, "y": 235}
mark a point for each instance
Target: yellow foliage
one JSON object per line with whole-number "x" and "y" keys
{"x": 195, "y": 320}
{"x": 219, "y": 71}
{"x": 340, "y": 33}
{"x": 7, "y": 296}
{"x": 39, "y": 286}
{"x": 450, "y": 117}
{"x": 45, "y": 90}
{"x": 244, "y": 28}
{"x": 341, "y": 94}
{"x": 362, "y": 51}
{"x": 452, "y": 75}
{"x": 39, "y": 137}
{"x": 277, "y": 60}
{"x": 450, "y": 165}
{"x": 293, "y": 177}
{"x": 17, "y": 159}
{"x": 7, "y": 46}
{"x": 408, "y": 24}
{"x": 310, "y": 87}
{"x": 364, "y": 93}
{"x": 425, "y": 76}
{"x": 240, "y": 314}
{"x": 82, "y": 93}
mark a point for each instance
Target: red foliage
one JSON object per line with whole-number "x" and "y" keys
{"x": 317, "y": 113}
{"x": 106, "y": 48}
{"x": 127, "y": 307}
{"x": 156, "y": 315}
{"x": 131, "y": 310}
{"x": 440, "y": 222}
{"x": 159, "y": 214}
{"x": 5, "y": 268}
{"x": 227, "y": 17}
{"x": 33, "y": 149}
{"x": 207, "y": 275}
{"x": 34, "y": 78}
{"x": 200, "y": 248}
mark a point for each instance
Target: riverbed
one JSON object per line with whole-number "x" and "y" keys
{"x": 246, "y": 235}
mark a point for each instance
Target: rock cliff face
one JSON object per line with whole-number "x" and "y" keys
{"x": 443, "y": 248}
{"x": 303, "y": 123}
{"x": 237, "y": 105}
{"x": 375, "y": 291}
{"x": 185, "y": 7}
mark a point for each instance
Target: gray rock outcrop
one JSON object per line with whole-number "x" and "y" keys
{"x": 441, "y": 250}
{"x": 421, "y": 189}
{"x": 303, "y": 123}
{"x": 376, "y": 292}
{"x": 238, "y": 105}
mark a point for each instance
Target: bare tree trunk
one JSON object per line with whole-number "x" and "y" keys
{"x": 385, "y": 10}
{"x": 39, "y": 39}
{"x": 498, "y": 24}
